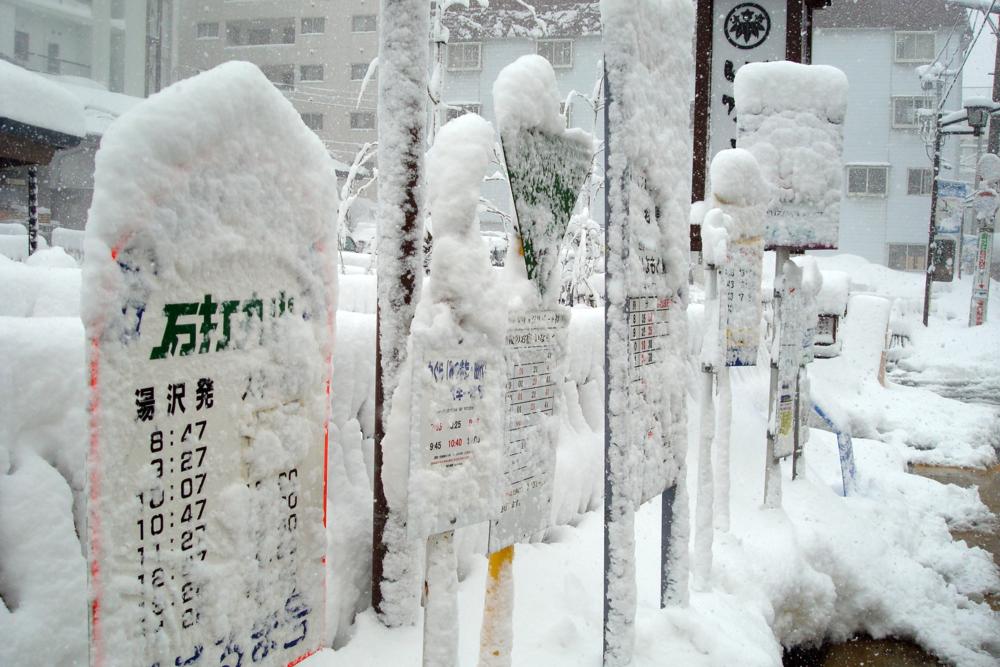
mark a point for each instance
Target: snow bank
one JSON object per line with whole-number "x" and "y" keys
{"x": 34, "y": 100}
{"x": 13, "y": 247}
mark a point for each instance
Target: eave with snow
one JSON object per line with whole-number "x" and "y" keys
{"x": 37, "y": 118}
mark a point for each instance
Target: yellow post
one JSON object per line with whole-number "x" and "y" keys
{"x": 497, "y": 637}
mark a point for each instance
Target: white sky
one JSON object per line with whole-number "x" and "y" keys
{"x": 978, "y": 79}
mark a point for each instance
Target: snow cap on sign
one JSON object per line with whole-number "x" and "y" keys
{"x": 196, "y": 160}
{"x": 736, "y": 179}
{"x": 525, "y": 95}
{"x": 787, "y": 86}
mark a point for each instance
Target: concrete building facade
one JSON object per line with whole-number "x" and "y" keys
{"x": 879, "y": 44}
{"x": 317, "y": 53}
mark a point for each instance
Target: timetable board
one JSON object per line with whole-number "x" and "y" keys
{"x": 648, "y": 328}
{"x": 208, "y": 476}
{"x": 534, "y": 353}
{"x": 740, "y": 299}
{"x": 210, "y": 337}
{"x": 455, "y": 422}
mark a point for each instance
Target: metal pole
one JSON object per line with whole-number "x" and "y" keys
{"x": 32, "y": 209}
{"x": 704, "y": 511}
{"x": 979, "y": 300}
{"x": 936, "y": 171}
{"x": 772, "y": 473}
{"x": 994, "y": 144}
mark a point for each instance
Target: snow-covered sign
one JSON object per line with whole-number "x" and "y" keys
{"x": 649, "y": 71}
{"x": 950, "y": 208}
{"x": 738, "y": 189}
{"x": 546, "y": 163}
{"x": 743, "y": 32}
{"x": 534, "y": 351}
{"x": 791, "y": 117}
{"x": 208, "y": 302}
{"x": 455, "y": 390}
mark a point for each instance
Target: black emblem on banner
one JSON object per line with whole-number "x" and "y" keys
{"x": 747, "y": 26}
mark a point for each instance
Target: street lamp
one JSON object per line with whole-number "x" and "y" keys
{"x": 977, "y": 117}
{"x": 977, "y": 111}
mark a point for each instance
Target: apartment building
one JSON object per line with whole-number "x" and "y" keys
{"x": 315, "y": 51}
{"x": 880, "y": 44}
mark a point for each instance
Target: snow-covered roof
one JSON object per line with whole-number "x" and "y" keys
{"x": 906, "y": 15}
{"x": 100, "y": 106}
{"x": 30, "y": 99}
{"x": 511, "y": 18}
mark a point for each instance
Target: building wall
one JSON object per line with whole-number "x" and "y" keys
{"x": 336, "y": 48}
{"x": 869, "y": 224}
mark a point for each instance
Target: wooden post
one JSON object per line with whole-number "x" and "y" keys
{"x": 402, "y": 115}
{"x": 702, "y": 102}
{"x": 496, "y": 640}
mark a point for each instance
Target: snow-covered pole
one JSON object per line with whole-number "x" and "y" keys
{"x": 32, "y": 209}
{"x": 932, "y": 222}
{"x": 402, "y": 88}
{"x": 704, "y": 521}
{"x": 772, "y": 472}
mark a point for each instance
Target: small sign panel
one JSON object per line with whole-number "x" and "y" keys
{"x": 790, "y": 355}
{"x": 455, "y": 439}
{"x": 534, "y": 352}
{"x": 951, "y": 205}
{"x": 740, "y": 292}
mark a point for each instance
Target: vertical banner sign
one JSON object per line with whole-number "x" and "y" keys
{"x": 534, "y": 352}
{"x": 456, "y": 390}
{"x": 744, "y": 32}
{"x": 981, "y": 277}
{"x": 210, "y": 319}
{"x": 792, "y": 114}
{"x": 648, "y": 69}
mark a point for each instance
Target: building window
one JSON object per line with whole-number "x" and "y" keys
{"x": 919, "y": 181}
{"x": 282, "y": 76}
{"x": 456, "y": 109}
{"x": 867, "y": 181}
{"x": 20, "y": 45}
{"x": 313, "y": 25}
{"x": 907, "y": 256}
{"x": 358, "y": 71}
{"x": 314, "y": 121}
{"x": 260, "y": 31}
{"x": 53, "y": 62}
{"x": 464, "y": 56}
{"x": 208, "y": 31}
{"x": 310, "y": 73}
{"x": 364, "y": 23}
{"x": 906, "y": 111}
{"x": 914, "y": 47}
{"x": 362, "y": 120}
{"x": 559, "y": 52}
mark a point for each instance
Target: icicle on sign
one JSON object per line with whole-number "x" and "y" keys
{"x": 536, "y": 343}
{"x": 744, "y": 32}
{"x": 210, "y": 315}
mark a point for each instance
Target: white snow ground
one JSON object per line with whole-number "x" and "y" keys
{"x": 822, "y": 567}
